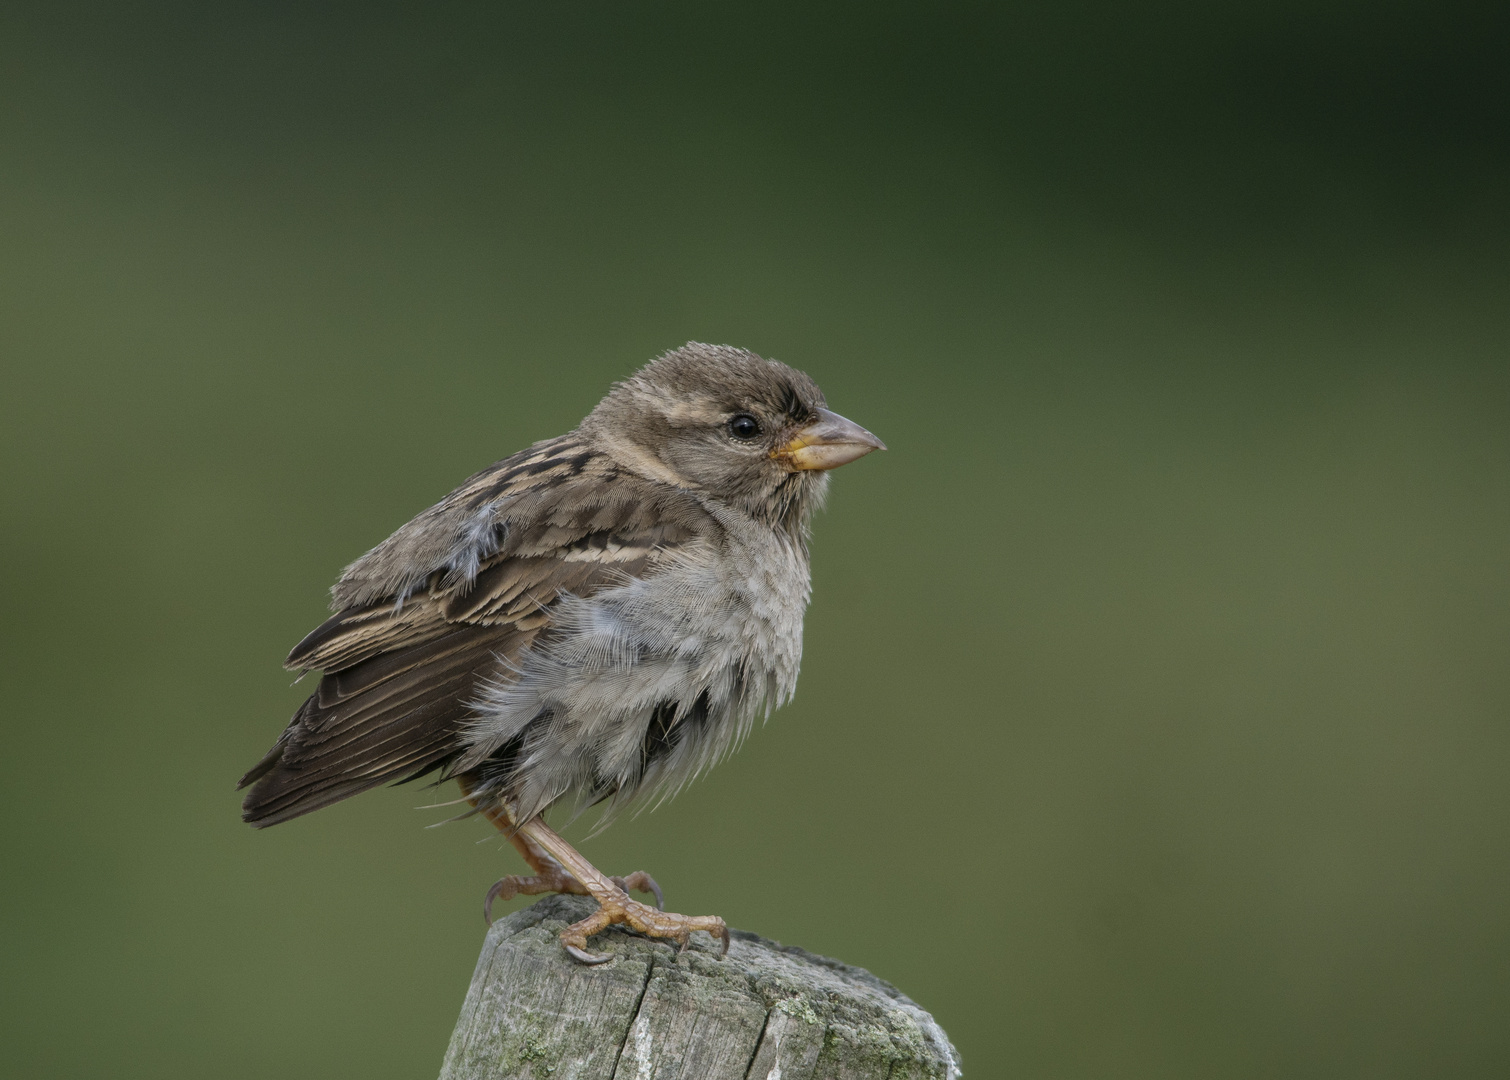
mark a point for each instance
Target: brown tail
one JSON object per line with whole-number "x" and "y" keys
{"x": 392, "y": 717}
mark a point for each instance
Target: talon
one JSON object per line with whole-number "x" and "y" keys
{"x": 585, "y": 957}
{"x": 640, "y": 881}
{"x": 651, "y": 887}
{"x": 508, "y": 884}
{"x": 724, "y": 937}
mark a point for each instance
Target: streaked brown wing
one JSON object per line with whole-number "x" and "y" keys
{"x": 401, "y": 670}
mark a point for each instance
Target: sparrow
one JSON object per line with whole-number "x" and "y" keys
{"x": 595, "y": 620}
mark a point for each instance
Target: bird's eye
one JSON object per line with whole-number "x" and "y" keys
{"x": 744, "y": 426}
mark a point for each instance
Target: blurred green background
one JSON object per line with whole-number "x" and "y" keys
{"x": 1154, "y": 713}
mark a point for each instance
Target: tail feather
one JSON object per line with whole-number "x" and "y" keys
{"x": 373, "y": 723}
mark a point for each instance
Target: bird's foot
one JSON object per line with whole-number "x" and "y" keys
{"x": 651, "y": 921}
{"x": 553, "y": 879}
{"x": 547, "y": 852}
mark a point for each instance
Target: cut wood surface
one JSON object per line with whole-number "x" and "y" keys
{"x": 765, "y": 1012}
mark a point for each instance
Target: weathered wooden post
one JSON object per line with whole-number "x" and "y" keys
{"x": 765, "y": 1012}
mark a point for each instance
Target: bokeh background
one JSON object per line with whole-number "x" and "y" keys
{"x": 1154, "y": 713}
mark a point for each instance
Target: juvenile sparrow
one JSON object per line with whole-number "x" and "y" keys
{"x": 598, "y": 617}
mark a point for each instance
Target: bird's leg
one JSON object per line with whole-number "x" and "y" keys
{"x": 614, "y": 904}
{"x": 549, "y": 877}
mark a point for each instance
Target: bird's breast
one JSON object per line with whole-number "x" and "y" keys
{"x": 651, "y": 681}
{"x": 769, "y": 586}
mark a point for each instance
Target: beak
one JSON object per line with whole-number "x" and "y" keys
{"x": 826, "y": 442}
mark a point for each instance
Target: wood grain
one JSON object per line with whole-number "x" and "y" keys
{"x": 765, "y": 1012}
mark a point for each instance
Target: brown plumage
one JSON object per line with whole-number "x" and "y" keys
{"x": 401, "y": 670}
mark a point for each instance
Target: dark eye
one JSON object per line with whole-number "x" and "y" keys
{"x": 744, "y": 426}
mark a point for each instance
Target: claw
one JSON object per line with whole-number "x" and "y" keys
{"x": 499, "y": 887}
{"x": 640, "y": 881}
{"x": 585, "y": 957}
{"x": 724, "y": 937}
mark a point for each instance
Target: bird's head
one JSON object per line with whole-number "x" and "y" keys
{"x": 748, "y": 431}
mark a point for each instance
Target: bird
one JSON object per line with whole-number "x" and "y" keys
{"x": 594, "y": 620}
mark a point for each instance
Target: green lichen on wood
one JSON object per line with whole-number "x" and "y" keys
{"x": 798, "y": 1006}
